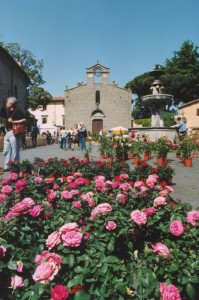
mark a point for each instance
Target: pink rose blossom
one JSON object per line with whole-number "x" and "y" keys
{"x": 16, "y": 282}
{"x": 74, "y": 192}
{"x": 163, "y": 193}
{"x": 169, "y": 292}
{"x": 125, "y": 187}
{"x": 138, "y": 184}
{"x": 52, "y": 194}
{"x": 193, "y": 217}
{"x": 9, "y": 215}
{"x": 2, "y": 251}
{"x": 139, "y": 217}
{"x": 176, "y": 228}
{"x": 20, "y": 185}
{"x": 19, "y": 266}
{"x": 103, "y": 209}
{"x": 36, "y": 210}
{"x": 53, "y": 240}
{"x": 160, "y": 249}
{"x": 45, "y": 272}
{"x": 72, "y": 238}
{"x": 169, "y": 189}
{"x": 5, "y": 181}
{"x": 70, "y": 178}
{"x": 123, "y": 176}
{"x": 66, "y": 195}
{"x": 79, "y": 181}
{"x": 77, "y": 174}
{"x": 160, "y": 201}
{"x": 122, "y": 198}
{"x": 72, "y": 185}
{"x": 13, "y": 176}
{"x": 88, "y": 198}
{"x": 77, "y": 204}
{"x": 159, "y": 188}
{"x": 55, "y": 187}
{"x": 2, "y": 197}
{"x": 6, "y": 190}
{"x": 100, "y": 177}
{"x": 49, "y": 180}
{"x": 150, "y": 211}
{"x": 99, "y": 183}
{"x": 68, "y": 227}
{"x": 22, "y": 207}
{"x": 47, "y": 256}
{"x": 111, "y": 225}
{"x": 38, "y": 180}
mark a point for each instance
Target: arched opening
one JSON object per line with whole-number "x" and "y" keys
{"x": 97, "y": 125}
{"x": 97, "y": 98}
{"x": 97, "y": 76}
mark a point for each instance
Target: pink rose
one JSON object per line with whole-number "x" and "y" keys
{"x": 68, "y": 227}
{"x": 77, "y": 204}
{"x": 77, "y": 174}
{"x": 16, "y": 282}
{"x": 9, "y": 215}
{"x": 150, "y": 211}
{"x": 5, "y": 181}
{"x": 102, "y": 208}
{"x": 47, "y": 256}
{"x": 36, "y": 210}
{"x": 163, "y": 193}
{"x": 22, "y": 207}
{"x": 111, "y": 225}
{"x": 66, "y": 195}
{"x": 59, "y": 292}
{"x": 52, "y": 194}
{"x": 122, "y": 198}
{"x": 13, "y": 176}
{"x": 169, "y": 189}
{"x": 176, "y": 228}
{"x": 6, "y": 190}
{"x": 138, "y": 184}
{"x": 193, "y": 217}
{"x": 20, "y": 185}
{"x": 139, "y": 217}
{"x": 72, "y": 238}
{"x": 19, "y": 266}
{"x": 53, "y": 240}
{"x": 169, "y": 292}
{"x": 123, "y": 176}
{"x": 159, "y": 201}
{"x": 45, "y": 272}
{"x": 38, "y": 180}
{"x": 2, "y": 197}
{"x": 79, "y": 181}
{"x": 2, "y": 251}
{"x": 70, "y": 178}
{"x": 160, "y": 249}
{"x": 49, "y": 180}
{"x": 72, "y": 185}
{"x": 55, "y": 187}
{"x": 125, "y": 186}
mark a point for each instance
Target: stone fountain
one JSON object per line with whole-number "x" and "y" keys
{"x": 157, "y": 102}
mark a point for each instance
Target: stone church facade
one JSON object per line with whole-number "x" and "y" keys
{"x": 98, "y": 104}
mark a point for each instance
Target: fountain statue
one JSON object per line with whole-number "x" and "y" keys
{"x": 157, "y": 100}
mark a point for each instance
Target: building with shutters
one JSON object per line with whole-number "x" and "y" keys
{"x": 98, "y": 103}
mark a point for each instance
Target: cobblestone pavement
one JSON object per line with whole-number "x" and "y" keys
{"x": 185, "y": 181}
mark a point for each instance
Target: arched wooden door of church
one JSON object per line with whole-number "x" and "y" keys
{"x": 97, "y": 126}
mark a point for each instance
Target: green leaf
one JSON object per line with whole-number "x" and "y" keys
{"x": 27, "y": 295}
{"x": 12, "y": 265}
{"x": 111, "y": 259}
{"x": 82, "y": 295}
{"x": 191, "y": 291}
{"x": 74, "y": 282}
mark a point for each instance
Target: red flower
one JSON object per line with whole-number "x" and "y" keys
{"x": 171, "y": 203}
{"x": 76, "y": 289}
{"x": 59, "y": 292}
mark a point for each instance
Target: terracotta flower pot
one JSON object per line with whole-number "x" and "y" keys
{"x": 87, "y": 181}
{"x": 102, "y": 155}
{"x": 109, "y": 159}
{"x": 146, "y": 156}
{"x": 188, "y": 162}
{"x": 136, "y": 160}
{"x": 161, "y": 161}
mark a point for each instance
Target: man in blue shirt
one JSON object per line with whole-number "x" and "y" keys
{"x": 181, "y": 127}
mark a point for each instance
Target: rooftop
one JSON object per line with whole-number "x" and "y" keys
{"x": 190, "y": 103}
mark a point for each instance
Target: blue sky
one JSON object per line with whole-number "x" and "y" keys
{"x": 129, "y": 36}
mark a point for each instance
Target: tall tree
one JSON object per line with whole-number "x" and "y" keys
{"x": 37, "y": 95}
{"x": 181, "y": 77}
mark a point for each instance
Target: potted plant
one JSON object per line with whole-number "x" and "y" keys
{"x": 111, "y": 153}
{"x": 165, "y": 174}
{"x": 187, "y": 147}
{"x": 14, "y": 166}
{"x": 162, "y": 149}
{"x": 26, "y": 168}
{"x": 86, "y": 153}
{"x": 142, "y": 171}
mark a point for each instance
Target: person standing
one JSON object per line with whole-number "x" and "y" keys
{"x": 48, "y": 137}
{"x": 63, "y": 135}
{"x": 82, "y": 136}
{"x": 13, "y": 115}
{"x": 75, "y": 137}
{"x": 34, "y": 134}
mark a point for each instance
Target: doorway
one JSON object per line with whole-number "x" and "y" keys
{"x": 97, "y": 126}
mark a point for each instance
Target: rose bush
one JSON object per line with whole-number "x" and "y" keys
{"x": 109, "y": 240}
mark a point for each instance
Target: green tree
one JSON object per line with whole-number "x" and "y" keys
{"x": 37, "y": 95}
{"x": 181, "y": 77}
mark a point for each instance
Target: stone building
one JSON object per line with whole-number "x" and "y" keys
{"x": 52, "y": 114}
{"x": 13, "y": 79}
{"x": 190, "y": 111}
{"x": 98, "y": 104}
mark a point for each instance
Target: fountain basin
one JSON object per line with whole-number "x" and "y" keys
{"x": 159, "y": 99}
{"x": 154, "y": 133}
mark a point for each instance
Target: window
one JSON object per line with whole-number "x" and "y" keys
{"x": 44, "y": 120}
{"x": 98, "y": 76}
{"x": 97, "y": 97}
{"x": 15, "y": 91}
{"x": 197, "y": 111}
